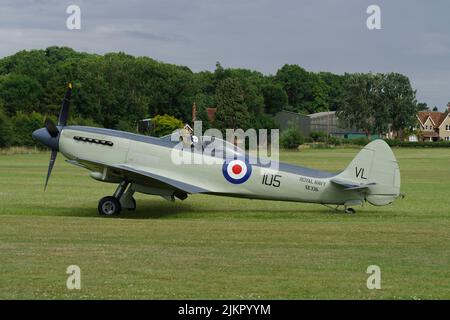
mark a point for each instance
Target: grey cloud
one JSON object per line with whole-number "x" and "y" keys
{"x": 321, "y": 35}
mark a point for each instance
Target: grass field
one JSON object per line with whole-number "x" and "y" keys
{"x": 214, "y": 247}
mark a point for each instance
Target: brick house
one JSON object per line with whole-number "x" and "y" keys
{"x": 434, "y": 125}
{"x": 210, "y": 113}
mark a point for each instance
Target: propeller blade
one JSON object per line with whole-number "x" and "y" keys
{"x": 50, "y": 166}
{"x": 64, "y": 113}
{"x": 51, "y": 128}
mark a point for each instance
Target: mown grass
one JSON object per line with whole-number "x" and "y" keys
{"x": 214, "y": 247}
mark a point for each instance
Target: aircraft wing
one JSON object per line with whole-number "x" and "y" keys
{"x": 137, "y": 175}
{"x": 351, "y": 185}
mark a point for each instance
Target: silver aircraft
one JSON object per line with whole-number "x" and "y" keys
{"x": 139, "y": 163}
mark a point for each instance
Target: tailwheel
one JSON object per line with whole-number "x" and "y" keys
{"x": 109, "y": 206}
{"x": 350, "y": 210}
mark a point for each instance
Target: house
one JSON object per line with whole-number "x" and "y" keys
{"x": 434, "y": 125}
{"x": 210, "y": 113}
{"x": 188, "y": 128}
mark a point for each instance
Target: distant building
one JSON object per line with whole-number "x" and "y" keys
{"x": 328, "y": 122}
{"x": 301, "y": 122}
{"x": 325, "y": 122}
{"x": 144, "y": 126}
{"x": 433, "y": 126}
{"x": 188, "y": 128}
{"x": 210, "y": 113}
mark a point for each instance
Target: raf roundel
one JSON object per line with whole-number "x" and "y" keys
{"x": 236, "y": 171}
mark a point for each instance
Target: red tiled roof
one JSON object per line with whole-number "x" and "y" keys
{"x": 211, "y": 113}
{"x": 436, "y": 116}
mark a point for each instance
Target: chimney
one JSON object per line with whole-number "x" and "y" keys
{"x": 194, "y": 112}
{"x": 448, "y": 107}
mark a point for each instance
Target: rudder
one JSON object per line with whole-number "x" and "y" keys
{"x": 375, "y": 165}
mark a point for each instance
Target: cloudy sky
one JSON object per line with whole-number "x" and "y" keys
{"x": 319, "y": 35}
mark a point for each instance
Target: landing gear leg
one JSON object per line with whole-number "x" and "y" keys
{"x": 111, "y": 205}
{"x": 127, "y": 201}
{"x": 120, "y": 189}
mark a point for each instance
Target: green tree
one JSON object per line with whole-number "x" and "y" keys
{"x": 20, "y": 93}
{"x": 203, "y": 101}
{"x": 401, "y": 101}
{"x": 263, "y": 121}
{"x": 116, "y": 89}
{"x": 232, "y": 113}
{"x": 56, "y": 54}
{"x": 317, "y": 101}
{"x": 32, "y": 64}
{"x": 378, "y": 99}
{"x": 335, "y": 84}
{"x": 165, "y": 124}
{"x": 250, "y": 81}
{"x": 356, "y": 108}
{"x": 295, "y": 81}
{"x": 275, "y": 98}
{"x": 422, "y": 106}
{"x": 291, "y": 138}
{"x": 219, "y": 74}
{"x": 373, "y": 101}
{"x": 6, "y": 133}
{"x": 23, "y": 126}
{"x": 306, "y": 91}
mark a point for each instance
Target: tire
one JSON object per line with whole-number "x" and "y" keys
{"x": 134, "y": 204}
{"x": 109, "y": 206}
{"x": 350, "y": 211}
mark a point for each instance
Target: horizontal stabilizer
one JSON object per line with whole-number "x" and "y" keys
{"x": 351, "y": 185}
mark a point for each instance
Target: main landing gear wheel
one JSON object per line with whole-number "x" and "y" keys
{"x": 109, "y": 206}
{"x": 350, "y": 210}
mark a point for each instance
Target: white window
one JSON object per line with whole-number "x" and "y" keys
{"x": 413, "y": 138}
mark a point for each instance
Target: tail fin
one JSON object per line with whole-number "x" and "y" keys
{"x": 375, "y": 166}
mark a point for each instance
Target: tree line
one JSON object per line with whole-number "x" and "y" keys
{"x": 116, "y": 90}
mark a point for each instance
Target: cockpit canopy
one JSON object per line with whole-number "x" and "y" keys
{"x": 221, "y": 146}
{"x": 209, "y": 145}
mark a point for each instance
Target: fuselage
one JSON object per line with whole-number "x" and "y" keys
{"x": 151, "y": 154}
